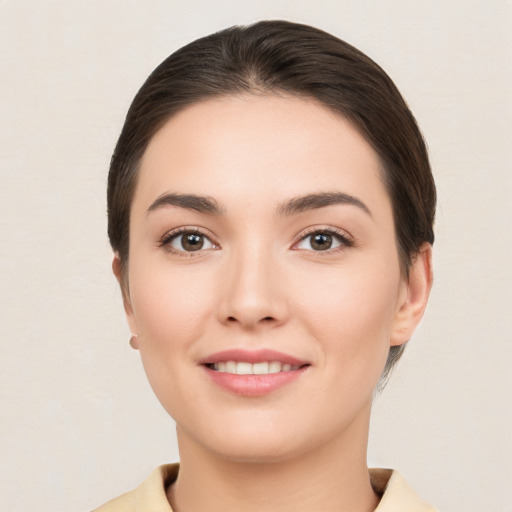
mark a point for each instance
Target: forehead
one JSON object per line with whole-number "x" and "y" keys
{"x": 265, "y": 148}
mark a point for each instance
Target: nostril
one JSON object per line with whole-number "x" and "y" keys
{"x": 265, "y": 319}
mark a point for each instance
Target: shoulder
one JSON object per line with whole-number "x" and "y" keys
{"x": 150, "y": 496}
{"x": 397, "y": 494}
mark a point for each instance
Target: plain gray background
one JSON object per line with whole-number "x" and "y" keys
{"x": 79, "y": 422}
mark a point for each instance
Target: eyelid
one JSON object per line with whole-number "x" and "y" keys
{"x": 170, "y": 235}
{"x": 345, "y": 238}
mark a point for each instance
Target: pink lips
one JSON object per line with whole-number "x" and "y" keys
{"x": 253, "y": 384}
{"x": 252, "y": 356}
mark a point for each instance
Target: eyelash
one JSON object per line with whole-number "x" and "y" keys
{"x": 345, "y": 240}
{"x": 342, "y": 237}
{"x": 169, "y": 237}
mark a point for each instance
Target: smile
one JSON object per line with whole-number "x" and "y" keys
{"x": 244, "y": 368}
{"x": 253, "y": 373}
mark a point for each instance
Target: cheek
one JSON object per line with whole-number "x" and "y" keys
{"x": 172, "y": 308}
{"x": 169, "y": 304}
{"x": 350, "y": 310}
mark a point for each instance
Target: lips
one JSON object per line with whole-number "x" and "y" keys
{"x": 252, "y": 356}
{"x": 253, "y": 373}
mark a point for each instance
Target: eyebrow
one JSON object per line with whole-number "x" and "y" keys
{"x": 208, "y": 205}
{"x": 201, "y": 204}
{"x": 320, "y": 200}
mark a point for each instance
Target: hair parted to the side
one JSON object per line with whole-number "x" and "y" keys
{"x": 279, "y": 57}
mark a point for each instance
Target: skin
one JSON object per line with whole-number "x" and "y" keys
{"x": 259, "y": 283}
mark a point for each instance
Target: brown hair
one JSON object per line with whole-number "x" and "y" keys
{"x": 282, "y": 57}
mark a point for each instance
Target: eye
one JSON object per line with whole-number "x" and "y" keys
{"x": 323, "y": 240}
{"x": 187, "y": 241}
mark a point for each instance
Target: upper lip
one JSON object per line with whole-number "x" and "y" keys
{"x": 252, "y": 356}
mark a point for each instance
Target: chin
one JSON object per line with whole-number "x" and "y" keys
{"x": 250, "y": 442}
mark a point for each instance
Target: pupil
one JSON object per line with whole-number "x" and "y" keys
{"x": 193, "y": 242}
{"x": 321, "y": 241}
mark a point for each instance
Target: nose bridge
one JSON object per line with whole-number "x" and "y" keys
{"x": 251, "y": 293}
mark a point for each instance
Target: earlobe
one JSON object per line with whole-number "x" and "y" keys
{"x": 134, "y": 342}
{"x": 128, "y": 309}
{"x": 417, "y": 290}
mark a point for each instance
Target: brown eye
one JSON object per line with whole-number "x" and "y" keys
{"x": 324, "y": 240}
{"x": 192, "y": 242}
{"x": 321, "y": 241}
{"x": 189, "y": 241}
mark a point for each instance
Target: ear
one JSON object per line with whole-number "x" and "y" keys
{"x": 413, "y": 296}
{"x": 117, "y": 269}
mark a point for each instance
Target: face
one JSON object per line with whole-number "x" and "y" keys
{"x": 263, "y": 279}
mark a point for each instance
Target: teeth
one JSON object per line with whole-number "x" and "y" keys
{"x": 242, "y": 368}
{"x": 274, "y": 367}
{"x": 260, "y": 368}
{"x": 231, "y": 367}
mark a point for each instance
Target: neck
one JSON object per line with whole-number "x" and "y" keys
{"x": 333, "y": 477}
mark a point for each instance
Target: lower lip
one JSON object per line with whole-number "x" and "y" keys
{"x": 253, "y": 385}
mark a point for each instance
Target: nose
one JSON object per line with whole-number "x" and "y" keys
{"x": 253, "y": 292}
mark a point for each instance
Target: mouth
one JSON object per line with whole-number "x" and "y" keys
{"x": 253, "y": 373}
{"x": 244, "y": 368}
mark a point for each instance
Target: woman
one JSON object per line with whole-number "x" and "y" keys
{"x": 271, "y": 212}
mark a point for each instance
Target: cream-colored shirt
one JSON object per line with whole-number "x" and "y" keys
{"x": 150, "y": 496}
